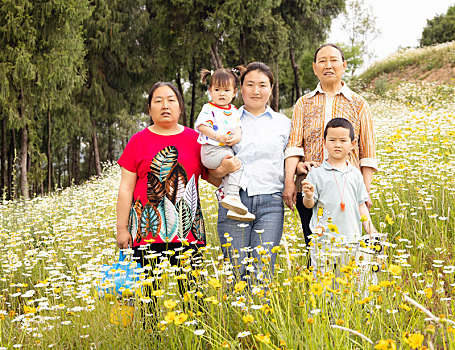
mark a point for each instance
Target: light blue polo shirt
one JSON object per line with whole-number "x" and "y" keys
{"x": 261, "y": 151}
{"x": 327, "y": 197}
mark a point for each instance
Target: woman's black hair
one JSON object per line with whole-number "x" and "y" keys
{"x": 176, "y": 92}
{"x": 259, "y": 66}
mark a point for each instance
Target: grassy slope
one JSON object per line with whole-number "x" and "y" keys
{"x": 433, "y": 63}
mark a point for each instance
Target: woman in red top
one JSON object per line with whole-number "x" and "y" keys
{"x": 158, "y": 202}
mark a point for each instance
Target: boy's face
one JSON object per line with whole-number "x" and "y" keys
{"x": 338, "y": 143}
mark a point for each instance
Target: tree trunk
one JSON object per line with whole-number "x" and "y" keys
{"x": 68, "y": 163}
{"x": 24, "y": 150}
{"x": 76, "y": 152}
{"x": 11, "y": 167}
{"x": 59, "y": 171}
{"x": 49, "y": 152}
{"x": 276, "y": 92}
{"x": 193, "y": 91}
{"x": 295, "y": 69}
{"x": 4, "y": 171}
{"x": 90, "y": 156}
{"x": 110, "y": 143}
{"x": 215, "y": 55}
{"x": 23, "y": 163}
{"x": 180, "y": 87}
{"x": 96, "y": 150}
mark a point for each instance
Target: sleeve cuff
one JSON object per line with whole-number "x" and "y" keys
{"x": 293, "y": 151}
{"x": 369, "y": 162}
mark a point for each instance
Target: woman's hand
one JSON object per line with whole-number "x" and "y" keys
{"x": 124, "y": 239}
{"x": 305, "y": 167}
{"x": 229, "y": 164}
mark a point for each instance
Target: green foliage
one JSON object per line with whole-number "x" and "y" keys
{"x": 440, "y": 29}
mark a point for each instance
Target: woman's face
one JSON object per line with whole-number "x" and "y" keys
{"x": 256, "y": 91}
{"x": 164, "y": 107}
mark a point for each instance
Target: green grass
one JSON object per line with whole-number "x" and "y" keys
{"x": 53, "y": 247}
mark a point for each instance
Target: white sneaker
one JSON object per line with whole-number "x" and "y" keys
{"x": 245, "y": 217}
{"x": 233, "y": 202}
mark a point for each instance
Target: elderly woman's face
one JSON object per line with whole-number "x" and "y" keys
{"x": 256, "y": 90}
{"x": 329, "y": 66}
{"x": 164, "y": 107}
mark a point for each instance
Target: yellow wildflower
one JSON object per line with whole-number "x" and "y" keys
{"x": 179, "y": 319}
{"x": 386, "y": 284}
{"x": 386, "y": 344}
{"x": 405, "y": 307}
{"x": 170, "y": 316}
{"x": 248, "y": 318}
{"x": 333, "y": 228}
{"x": 394, "y": 269}
{"x": 428, "y": 292}
{"x": 170, "y": 304}
{"x": 214, "y": 283}
{"x": 29, "y": 309}
{"x": 239, "y": 286}
{"x": 316, "y": 288}
{"x": 413, "y": 340}
{"x": 374, "y": 288}
{"x": 389, "y": 219}
{"x": 263, "y": 338}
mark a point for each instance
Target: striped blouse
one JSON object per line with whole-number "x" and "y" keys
{"x": 314, "y": 110}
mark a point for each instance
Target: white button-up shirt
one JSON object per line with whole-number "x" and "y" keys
{"x": 261, "y": 150}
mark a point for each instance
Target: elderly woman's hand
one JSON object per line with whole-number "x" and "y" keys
{"x": 305, "y": 167}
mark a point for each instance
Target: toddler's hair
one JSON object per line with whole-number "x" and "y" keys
{"x": 221, "y": 77}
{"x": 340, "y": 123}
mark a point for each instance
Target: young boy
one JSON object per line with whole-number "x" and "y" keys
{"x": 337, "y": 194}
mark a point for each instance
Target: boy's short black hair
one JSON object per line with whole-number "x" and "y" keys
{"x": 340, "y": 123}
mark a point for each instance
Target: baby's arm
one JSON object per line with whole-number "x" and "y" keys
{"x": 212, "y": 134}
{"x": 235, "y": 137}
{"x": 308, "y": 190}
{"x": 367, "y": 224}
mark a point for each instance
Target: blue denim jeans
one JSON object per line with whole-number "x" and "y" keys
{"x": 265, "y": 231}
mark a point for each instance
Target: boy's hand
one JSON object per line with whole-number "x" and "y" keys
{"x": 233, "y": 139}
{"x": 308, "y": 189}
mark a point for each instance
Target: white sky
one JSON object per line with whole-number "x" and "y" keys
{"x": 401, "y": 23}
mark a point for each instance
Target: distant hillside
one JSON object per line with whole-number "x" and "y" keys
{"x": 429, "y": 64}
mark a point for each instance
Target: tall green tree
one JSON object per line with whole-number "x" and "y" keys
{"x": 440, "y": 29}
{"x": 41, "y": 55}
{"x": 115, "y": 64}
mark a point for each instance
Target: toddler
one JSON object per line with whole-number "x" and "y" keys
{"x": 219, "y": 129}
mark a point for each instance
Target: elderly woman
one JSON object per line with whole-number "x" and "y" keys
{"x": 332, "y": 98}
{"x": 158, "y": 205}
{"x": 264, "y": 137}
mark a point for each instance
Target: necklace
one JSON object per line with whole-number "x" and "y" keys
{"x": 341, "y": 193}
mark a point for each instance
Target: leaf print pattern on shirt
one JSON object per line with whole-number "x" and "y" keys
{"x": 172, "y": 212}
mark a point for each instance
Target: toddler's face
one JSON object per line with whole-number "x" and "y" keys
{"x": 338, "y": 143}
{"x": 222, "y": 95}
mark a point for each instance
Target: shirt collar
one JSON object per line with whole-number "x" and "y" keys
{"x": 326, "y": 165}
{"x": 345, "y": 90}
{"x": 268, "y": 112}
